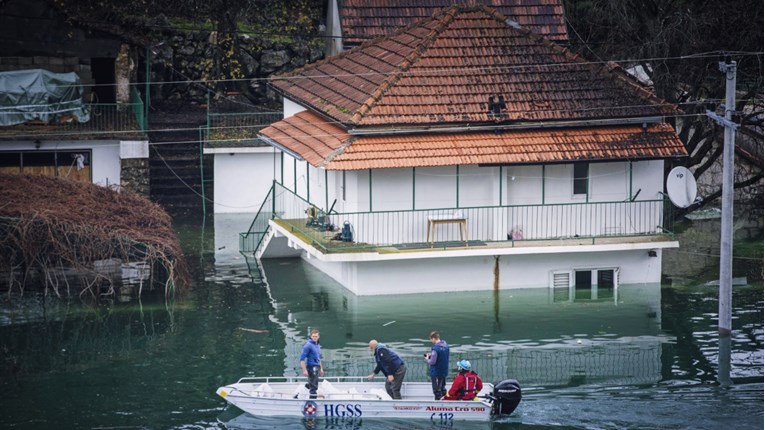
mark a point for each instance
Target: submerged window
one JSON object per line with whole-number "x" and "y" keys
{"x": 581, "y": 177}
{"x": 319, "y": 302}
{"x": 584, "y": 285}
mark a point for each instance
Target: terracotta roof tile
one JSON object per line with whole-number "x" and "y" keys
{"x": 362, "y": 20}
{"x": 327, "y": 145}
{"x": 442, "y": 71}
{"x": 309, "y": 136}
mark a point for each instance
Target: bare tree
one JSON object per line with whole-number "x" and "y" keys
{"x": 675, "y": 43}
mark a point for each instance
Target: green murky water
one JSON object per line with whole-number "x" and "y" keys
{"x": 638, "y": 357}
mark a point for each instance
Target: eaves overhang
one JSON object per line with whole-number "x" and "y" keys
{"x": 525, "y": 125}
{"x": 280, "y": 147}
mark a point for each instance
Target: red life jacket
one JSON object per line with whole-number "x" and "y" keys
{"x": 469, "y": 384}
{"x": 472, "y": 387}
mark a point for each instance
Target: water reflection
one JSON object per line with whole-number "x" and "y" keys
{"x": 234, "y": 419}
{"x": 639, "y": 357}
{"x": 532, "y": 335}
{"x": 723, "y": 373}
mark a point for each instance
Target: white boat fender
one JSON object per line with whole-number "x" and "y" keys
{"x": 263, "y": 390}
{"x": 326, "y": 388}
{"x": 382, "y": 394}
{"x": 301, "y": 392}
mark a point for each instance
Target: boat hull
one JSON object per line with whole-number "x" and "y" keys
{"x": 353, "y": 400}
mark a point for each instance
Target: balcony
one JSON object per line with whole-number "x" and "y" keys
{"x": 106, "y": 121}
{"x": 465, "y": 227}
{"x": 238, "y": 129}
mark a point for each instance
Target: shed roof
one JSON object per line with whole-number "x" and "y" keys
{"x": 328, "y": 145}
{"x": 443, "y": 71}
{"x": 362, "y": 20}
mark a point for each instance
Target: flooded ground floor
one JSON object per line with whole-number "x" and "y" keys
{"x": 640, "y": 356}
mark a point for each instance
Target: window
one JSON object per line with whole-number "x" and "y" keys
{"x": 582, "y": 285}
{"x": 69, "y": 164}
{"x": 578, "y": 285}
{"x": 581, "y": 174}
{"x": 561, "y": 286}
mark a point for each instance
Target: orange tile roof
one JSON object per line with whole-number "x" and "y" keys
{"x": 328, "y": 145}
{"x": 443, "y": 70}
{"x": 309, "y": 136}
{"x": 362, "y": 20}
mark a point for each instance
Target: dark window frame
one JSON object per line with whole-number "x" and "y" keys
{"x": 581, "y": 183}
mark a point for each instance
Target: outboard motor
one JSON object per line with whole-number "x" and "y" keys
{"x": 505, "y": 397}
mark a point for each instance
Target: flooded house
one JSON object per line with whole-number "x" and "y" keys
{"x": 465, "y": 152}
{"x": 573, "y": 340}
{"x": 69, "y": 106}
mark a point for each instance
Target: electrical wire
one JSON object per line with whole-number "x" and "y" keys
{"x": 704, "y": 254}
{"x": 75, "y": 133}
{"x": 452, "y": 71}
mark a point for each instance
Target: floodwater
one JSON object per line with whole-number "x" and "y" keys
{"x": 635, "y": 357}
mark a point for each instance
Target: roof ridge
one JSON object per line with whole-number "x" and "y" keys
{"x": 343, "y": 54}
{"x": 444, "y": 17}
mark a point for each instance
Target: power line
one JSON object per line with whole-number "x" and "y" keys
{"x": 464, "y": 70}
{"x": 240, "y": 127}
{"x": 189, "y": 29}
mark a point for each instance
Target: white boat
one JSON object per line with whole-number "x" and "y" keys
{"x": 355, "y": 397}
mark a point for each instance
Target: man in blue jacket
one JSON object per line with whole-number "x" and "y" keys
{"x": 391, "y": 365}
{"x": 438, "y": 360}
{"x": 310, "y": 362}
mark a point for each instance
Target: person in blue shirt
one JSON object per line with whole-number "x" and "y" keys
{"x": 438, "y": 360}
{"x": 310, "y": 362}
{"x": 391, "y": 365}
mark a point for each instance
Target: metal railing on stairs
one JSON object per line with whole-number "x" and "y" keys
{"x": 251, "y": 240}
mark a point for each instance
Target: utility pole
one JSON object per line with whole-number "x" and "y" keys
{"x": 726, "y": 225}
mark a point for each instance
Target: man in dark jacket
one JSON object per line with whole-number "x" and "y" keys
{"x": 391, "y": 365}
{"x": 438, "y": 360}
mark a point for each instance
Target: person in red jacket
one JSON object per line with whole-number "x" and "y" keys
{"x": 466, "y": 384}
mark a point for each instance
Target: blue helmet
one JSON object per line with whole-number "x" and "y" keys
{"x": 463, "y": 364}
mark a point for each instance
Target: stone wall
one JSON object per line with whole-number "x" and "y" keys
{"x": 134, "y": 175}
{"x": 242, "y": 65}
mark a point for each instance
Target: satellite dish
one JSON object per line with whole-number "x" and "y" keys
{"x": 681, "y": 187}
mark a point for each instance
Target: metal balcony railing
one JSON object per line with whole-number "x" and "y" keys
{"x": 105, "y": 120}
{"x": 469, "y": 225}
{"x": 241, "y": 128}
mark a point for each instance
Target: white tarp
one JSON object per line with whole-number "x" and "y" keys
{"x": 37, "y": 94}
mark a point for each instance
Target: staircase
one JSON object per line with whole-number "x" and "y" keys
{"x": 176, "y": 182}
{"x": 251, "y": 242}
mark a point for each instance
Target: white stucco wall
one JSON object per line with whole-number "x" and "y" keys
{"x": 608, "y": 182}
{"x": 477, "y": 273}
{"x": 291, "y": 108}
{"x": 436, "y": 187}
{"x": 392, "y": 189}
{"x": 524, "y": 185}
{"x": 479, "y": 186}
{"x": 242, "y": 179}
{"x": 106, "y": 163}
{"x": 648, "y": 176}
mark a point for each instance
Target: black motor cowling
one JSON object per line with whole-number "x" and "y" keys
{"x": 506, "y": 396}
